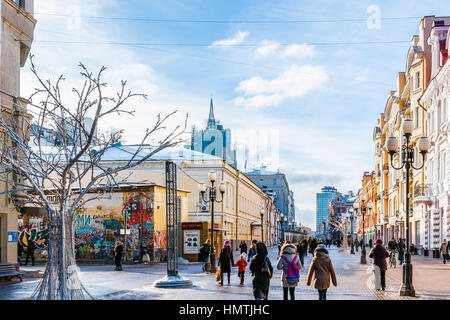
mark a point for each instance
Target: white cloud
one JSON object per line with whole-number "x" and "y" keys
{"x": 266, "y": 48}
{"x": 237, "y": 39}
{"x": 295, "y": 82}
{"x": 299, "y": 51}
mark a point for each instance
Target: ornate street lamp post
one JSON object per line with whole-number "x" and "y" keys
{"x": 362, "y": 197}
{"x": 407, "y": 160}
{"x": 211, "y": 198}
{"x": 261, "y": 212}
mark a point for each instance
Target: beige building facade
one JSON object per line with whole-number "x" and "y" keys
{"x": 16, "y": 36}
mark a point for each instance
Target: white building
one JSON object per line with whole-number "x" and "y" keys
{"x": 435, "y": 100}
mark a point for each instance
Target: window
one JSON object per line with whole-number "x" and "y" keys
{"x": 20, "y": 3}
{"x": 439, "y": 115}
{"x": 417, "y": 80}
{"x": 274, "y": 181}
{"x": 417, "y": 117}
{"x": 444, "y": 110}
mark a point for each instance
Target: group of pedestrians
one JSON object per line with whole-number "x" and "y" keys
{"x": 290, "y": 261}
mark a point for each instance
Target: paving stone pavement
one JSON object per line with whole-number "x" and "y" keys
{"x": 355, "y": 282}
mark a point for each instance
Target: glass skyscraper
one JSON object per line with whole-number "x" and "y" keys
{"x": 323, "y": 199}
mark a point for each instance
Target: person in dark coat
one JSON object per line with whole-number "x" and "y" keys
{"x": 118, "y": 251}
{"x": 30, "y": 252}
{"x": 313, "y": 246}
{"x": 252, "y": 251}
{"x": 370, "y": 243}
{"x": 379, "y": 255}
{"x": 203, "y": 256}
{"x": 19, "y": 253}
{"x": 262, "y": 272}
{"x": 301, "y": 251}
{"x": 243, "y": 247}
{"x": 401, "y": 250}
{"x": 225, "y": 261}
{"x": 305, "y": 245}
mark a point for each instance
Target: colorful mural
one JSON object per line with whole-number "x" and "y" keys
{"x": 34, "y": 229}
{"x": 96, "y": 229}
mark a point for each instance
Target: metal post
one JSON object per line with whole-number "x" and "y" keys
{"x": 212, "y": 256}
{"x": 363, "y": 249}
{"x": 173, "y": 279}
{"x": 407, "y": 288}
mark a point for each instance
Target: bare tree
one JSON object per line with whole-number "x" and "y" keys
{"x": 72, "y": 169}
{"x": 340, "y": 223}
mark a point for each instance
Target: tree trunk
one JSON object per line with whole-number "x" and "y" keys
{"x": 61, "y": 280}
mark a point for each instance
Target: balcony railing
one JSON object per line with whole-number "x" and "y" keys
{"x": 422, "y": 190}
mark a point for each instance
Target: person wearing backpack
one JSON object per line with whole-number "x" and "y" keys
{"x": 262, "y": 272}
{"x": 290, "y": 265}
{"x": 322, "y": 268}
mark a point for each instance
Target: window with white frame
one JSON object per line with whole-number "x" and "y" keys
{"x": 417, "y": 117}
{"x": 417, "y": 80}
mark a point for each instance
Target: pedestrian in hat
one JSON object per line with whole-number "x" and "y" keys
{"x": 252, "y": 250}
{"x": 379, "y": 255}
{"x": 322, "y": 269}
{"x": 118, "y": 251}
{"x": 241, "y": 264}
{"x": 225, "y": 261}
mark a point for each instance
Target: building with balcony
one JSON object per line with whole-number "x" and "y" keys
{"x": 405, "y": 103}
{"x": 434, "y": 195}
{"x": 16, "y": 36}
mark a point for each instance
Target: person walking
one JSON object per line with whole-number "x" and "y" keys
{"x": 444, "y": 251}
{"x": 401, "y": 251}
{"x": 225, "y": 261}
{"x": 243, "y": 247}
{"x": 357, "y": 245}
{"x": 301, "y": 251}
{"x": 252, "y": 250}
{"x": 241, "y": 264}
{"x": 313, "y": 245}
{"x": 30, "y": 252}
{"x": 118, "y": 251}
{"x": 379, "y": 255}
{"x": 305, "y": 246}
{"x": 19, "y": 253}
{"x": 370, "y": 243}
{"x": 322, "y": 269}
{"x": 290, "y": 265}
{"x": 203, "y": 256}
{"x": 352, "y": 246}
{"x": 262, "y": 271}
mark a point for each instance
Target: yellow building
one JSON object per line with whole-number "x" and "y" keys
{"x": 237, "y": 217}
{"x": 16, "y": 22}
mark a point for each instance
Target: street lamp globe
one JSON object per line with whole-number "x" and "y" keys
{"x": 222, "y": 188}
{"x": 202, "y": 187}
{"x": 285, "y": 219}
{"x": 407, "y": 126}
{"x": 424, "y": 144}
{"x": 392, "y": 145}
{"x": 212, "y": 176}
{"x": 362, "y": 197}
{"x": 355, "y": 205}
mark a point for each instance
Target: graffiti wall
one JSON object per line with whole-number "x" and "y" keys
{"x": 99, "y": 226}
{"x": 34, "y": 229}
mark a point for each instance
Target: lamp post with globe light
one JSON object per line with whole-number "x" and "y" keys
{"x": 407, "y": 162}
{"x": 211, "y": 198}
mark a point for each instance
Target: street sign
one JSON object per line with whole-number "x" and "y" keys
{"x": 13, "y": 236}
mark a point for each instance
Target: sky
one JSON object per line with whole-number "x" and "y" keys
{"x": 289, "y": 74}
